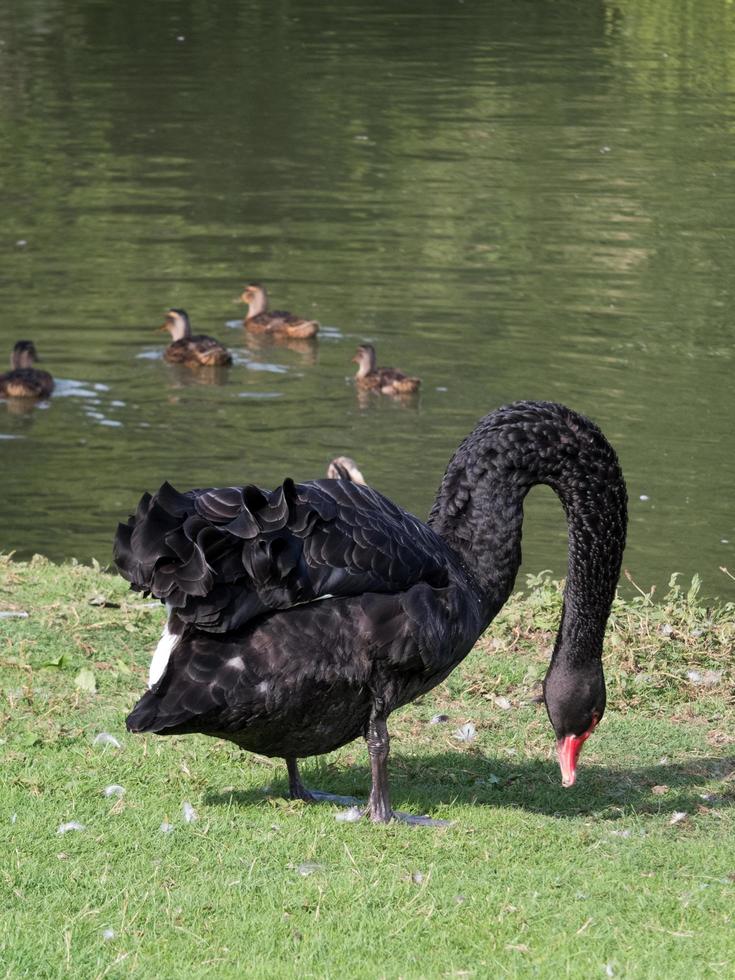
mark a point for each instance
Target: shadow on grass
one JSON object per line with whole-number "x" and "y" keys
{"x": 423, "y": 784}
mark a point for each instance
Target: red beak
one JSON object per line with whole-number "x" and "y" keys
{"x": 567, "y": 750}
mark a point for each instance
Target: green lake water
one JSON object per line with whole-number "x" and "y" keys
{"x": 511, "y": 200}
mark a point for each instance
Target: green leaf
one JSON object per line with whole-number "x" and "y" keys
{"x": 55, "y": 661}
{"x": 85, "y": 681}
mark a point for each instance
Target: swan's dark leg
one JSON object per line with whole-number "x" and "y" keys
{"x": 296, "y": 789}
{"x": 378, "y": 743}
{"x": 379, "y": 808}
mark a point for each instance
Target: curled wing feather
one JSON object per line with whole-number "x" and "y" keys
{"x": 221, "y": 557}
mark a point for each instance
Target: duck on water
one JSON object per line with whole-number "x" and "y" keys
{"x": 279, "y": 323}
{"x": 193, "y": 350}
{"x": 300, "y": 618}
{"x": 24, "y": 380}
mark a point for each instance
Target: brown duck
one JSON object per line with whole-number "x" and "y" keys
{"x": 389, "y": 381}
{"x": 260, "y": 319}
{"x": 23, "y": 380}
{"x": 191, "y": 349}
{"x": 345, "y": 468}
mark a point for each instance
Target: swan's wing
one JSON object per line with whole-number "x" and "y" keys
{"x": 222, "y": 557}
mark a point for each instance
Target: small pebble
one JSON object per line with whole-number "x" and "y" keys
{"x": 502, "y": 702}
{"x": 108, "y": 934}
{"x": 114, "y": 790}
{"x": 644, "y": 496}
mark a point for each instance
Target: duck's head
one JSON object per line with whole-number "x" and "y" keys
{"x": 177, "y": 324}
{"x": 365, "y": 358}
{"x": 24, "y": 355}
{"x": 575, "y": 697}
{"x": 254, "y": 294}
{"x": 344, "y": 468}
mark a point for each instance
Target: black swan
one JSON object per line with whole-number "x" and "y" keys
{"x": 23, "y": 380}
{"x": 300, "y": 618}
{"x": 193, "y": 350}
{"x": 388, "y": 381}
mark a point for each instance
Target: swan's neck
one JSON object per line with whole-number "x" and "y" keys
{"x": 479, "y": 510}
{"x": 257, "y": 304}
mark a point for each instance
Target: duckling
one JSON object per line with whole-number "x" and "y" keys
{"x": 24, "y": 380}
{"x": 345, "y": 468}
{"x": 389, "y": 381}
{"x": 191, "y": 349}
{"x": 260, "y": 320}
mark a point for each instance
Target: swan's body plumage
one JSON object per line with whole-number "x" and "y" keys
{"x": 306, "y": 614}
{"x": 23, "y": 380}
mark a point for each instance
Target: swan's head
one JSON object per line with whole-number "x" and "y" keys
{"x": 24, "y": 355}
{"x": 344, "y": 468}
{"x": 574, "y": 695}
{"x": 177, "y": 324}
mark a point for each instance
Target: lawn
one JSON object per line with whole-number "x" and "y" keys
{"x": 629, "y": 874}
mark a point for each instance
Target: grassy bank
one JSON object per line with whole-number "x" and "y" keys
{"x": 606, "y": 879}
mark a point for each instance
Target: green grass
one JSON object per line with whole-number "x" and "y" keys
{"x": 531, "y": 879}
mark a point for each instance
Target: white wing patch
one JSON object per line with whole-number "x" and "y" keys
{"x": 161, "y": 656}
